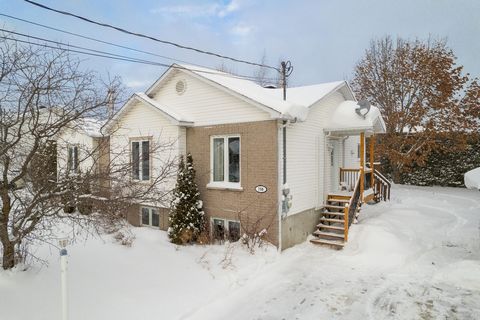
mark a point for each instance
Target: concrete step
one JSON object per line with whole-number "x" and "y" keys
{"x": 332, "y": 243}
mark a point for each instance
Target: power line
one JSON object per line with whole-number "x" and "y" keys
{"x": 92, "y": 39}
{"x": 149, "y": 37}
{"x": 104, "y": 54}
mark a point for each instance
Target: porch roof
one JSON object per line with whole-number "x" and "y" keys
{"x": 344, "y": 120}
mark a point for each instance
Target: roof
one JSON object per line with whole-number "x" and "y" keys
{"x": 345, "y": 120}
{"x": 308, "y": 95}
{"x": 174, "y": 116}
{"x": 91, "y": 126}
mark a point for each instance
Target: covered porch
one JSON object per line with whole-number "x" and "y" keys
{"x": 353, "y": 175}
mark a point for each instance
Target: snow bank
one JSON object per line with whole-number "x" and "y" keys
{"x": 472, "y": 179}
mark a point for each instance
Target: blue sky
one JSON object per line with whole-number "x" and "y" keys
{"x": 323, "y": 39}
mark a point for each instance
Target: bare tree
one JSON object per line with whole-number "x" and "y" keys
{"x": 44, "y": 94}
{"x": 424, "y": 97}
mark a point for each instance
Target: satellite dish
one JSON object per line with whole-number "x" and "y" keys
{"x": 363, "y": 108}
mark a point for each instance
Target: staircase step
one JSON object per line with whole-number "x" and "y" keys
{"x": 331, "y": 206}
{"x": 334, "y": 213}
{"x": 324, "y": 226}
{"x": 332, "y": 243}
{"x": 323, "y": 219}
{"x": 319, "y": 233}
{"x": 339, "y": 200}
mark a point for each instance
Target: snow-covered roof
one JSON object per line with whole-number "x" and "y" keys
{"x": 344, "y": 119}
{"x": 251, "y": 91}
{"x": 472, "y": 179}
{"x": 308, "y": 95}
{"x": 91, "y": 126}
{"x": 163, "y": 108}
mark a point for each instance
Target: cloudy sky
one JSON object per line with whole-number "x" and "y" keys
{"x": 323, "y": 39}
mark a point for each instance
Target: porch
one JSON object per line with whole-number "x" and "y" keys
{"x": 352, "y": 183}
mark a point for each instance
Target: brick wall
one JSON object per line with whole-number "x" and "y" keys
{"x": 258, "y": 166}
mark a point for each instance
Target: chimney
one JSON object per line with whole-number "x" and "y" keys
{"x": 111, "y": 103}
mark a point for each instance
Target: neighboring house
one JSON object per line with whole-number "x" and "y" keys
{"x": 82, "y": 148}
{"x": 283, "y": 164}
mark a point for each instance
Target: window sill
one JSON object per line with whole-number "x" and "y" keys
{"x": 224, "y": 186}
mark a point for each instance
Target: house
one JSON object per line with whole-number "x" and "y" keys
{"x": 285, "y": 165}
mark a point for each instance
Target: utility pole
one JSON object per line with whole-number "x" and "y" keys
{"x": 286, "y": 70}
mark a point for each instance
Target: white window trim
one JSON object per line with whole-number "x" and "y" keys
{"x": 225, "y": 223}
{"x": 150, "y": 212}
{"x": 72, "y": 160}
{"x": 225, "y": 184}
{"x": 140, "y": 140}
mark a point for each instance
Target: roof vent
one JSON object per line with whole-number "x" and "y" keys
{"x": 181, "y": 87}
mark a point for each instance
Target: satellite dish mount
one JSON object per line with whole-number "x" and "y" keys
{"x": 363, "y": 108}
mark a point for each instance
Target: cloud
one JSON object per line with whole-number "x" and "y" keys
{"x": 204, "y": 10}
{"x": 241, "y": 30}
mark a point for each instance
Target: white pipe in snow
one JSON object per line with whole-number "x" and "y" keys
{"x": 63, "y": 270}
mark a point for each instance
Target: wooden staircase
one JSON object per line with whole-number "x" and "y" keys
{"x": 331, "y": 229}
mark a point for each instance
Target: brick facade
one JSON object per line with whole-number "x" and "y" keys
{"x": 258, "y": 166}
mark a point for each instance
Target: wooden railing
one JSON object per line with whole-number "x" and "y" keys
{"x": 351, "y": 208}
{"x": 381, "y": 187}
{"x": 349, "y": 177}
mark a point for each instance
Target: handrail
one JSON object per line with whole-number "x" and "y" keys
{"x": 351, "y": 208}
{"x": 349, "y": 176}
{"x": 382, "y": 186}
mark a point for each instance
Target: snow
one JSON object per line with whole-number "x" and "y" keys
{"x": 92, "y": 127}
{"x": 417, "y": 256}
{"x": 345, "y": 119}
{"x": 173, "y": 114}
{"x": 308, "y": 95}
{"x": 472, "y": 179}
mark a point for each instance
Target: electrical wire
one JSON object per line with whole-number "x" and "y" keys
{"x": 104, "y": 54}
{"x": 106, "y": 25}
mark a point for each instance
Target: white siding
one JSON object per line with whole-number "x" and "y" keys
{"x": 307, "y": 160}
{"x": 206, "y": 104}
{"x": 142, "y": 121}
{"x": 87, "y": 148}
{"x": 352, "y": 159}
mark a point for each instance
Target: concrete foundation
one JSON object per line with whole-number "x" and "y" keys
{"x": 297, "y": 227}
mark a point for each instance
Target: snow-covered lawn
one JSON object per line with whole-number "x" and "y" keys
{"x": 416, "y": 257}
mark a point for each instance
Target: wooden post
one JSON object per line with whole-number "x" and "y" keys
{"x": 362, "y": 164}
{"x": 345, "y": 226}
{"x": 372, "y": 159}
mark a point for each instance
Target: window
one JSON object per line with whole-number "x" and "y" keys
{"x": 358, "y": 150}
{"x": 225, "y": 159}
{"x": 150, "y": 217}
{"x": 72, "y": 161}
{"x": 225, "y": 230}
{"x": 141, "y": 160}
{"x": 332, "y": 157}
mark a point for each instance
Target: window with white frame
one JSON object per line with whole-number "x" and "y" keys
{"x": 223, "y": 229}
{"x": 140, "y": 150}
{"x": 150, "y": 217}
{"x": 225, "y": 159}
{"x": 72, "y": 159}
{"x": 358, "y": 150}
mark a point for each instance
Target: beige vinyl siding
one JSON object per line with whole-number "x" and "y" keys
{"x": 206, "y": 104}
{"x": 306, "y": 156}
{"x": 146, "y": 123}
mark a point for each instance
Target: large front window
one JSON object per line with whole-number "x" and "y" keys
{"x": 141, "y": 160}
{"x": 72, "y": 161}
{"x": 225, "y": 159}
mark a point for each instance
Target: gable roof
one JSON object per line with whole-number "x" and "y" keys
{"x": 299, "y": 99}
{"x": 172, "y": 115}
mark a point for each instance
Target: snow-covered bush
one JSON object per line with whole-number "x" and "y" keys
{"x": 187, "y": 219}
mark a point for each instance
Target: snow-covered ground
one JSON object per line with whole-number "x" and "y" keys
{"x": 415, "y": 257}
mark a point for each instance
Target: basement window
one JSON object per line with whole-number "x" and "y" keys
{"x": 150, "y": 217}
{"x": 223, "y": 229}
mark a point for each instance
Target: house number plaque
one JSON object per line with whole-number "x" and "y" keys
{"x": 261, "y": 189}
